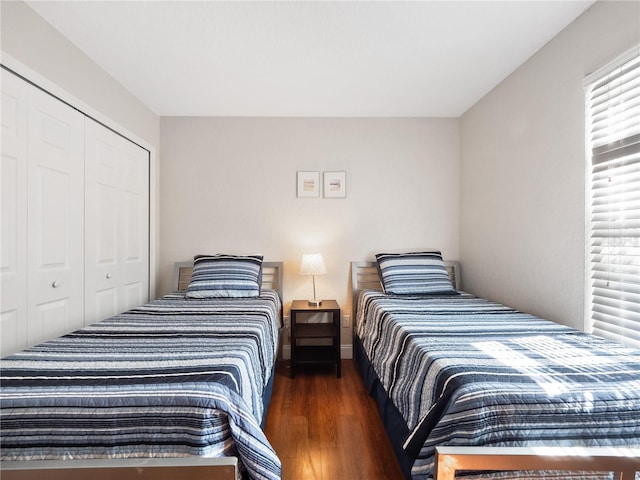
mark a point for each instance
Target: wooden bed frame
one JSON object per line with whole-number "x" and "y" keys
{"x": 364, "y": 276}
{"x": 186, "y": 468}
{"x": 271, "y": 276}
{"x": 623, "y": 462}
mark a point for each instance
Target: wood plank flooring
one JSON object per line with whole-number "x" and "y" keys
{"x": 328, "y": 428}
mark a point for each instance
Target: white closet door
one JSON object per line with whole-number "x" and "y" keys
{"x": 116, "y": 222}
{"x": 135, "y": 225}
{"x": 13, "y": 255}
{"x": 55, "y": 217}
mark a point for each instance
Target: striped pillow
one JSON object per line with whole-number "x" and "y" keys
{"x": 227, "y": 276}
{"x": 415, "y": 273}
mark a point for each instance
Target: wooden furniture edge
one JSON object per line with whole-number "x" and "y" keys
{"x": 193, "y": 468}
{"x": 623, "y": 461}
{"x": 272, "y": 276}
{"x": 365, "y": 276}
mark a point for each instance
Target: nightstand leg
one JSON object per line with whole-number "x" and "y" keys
{"x": 336, "y": 341}
{"x": 292, "y": 370}
{"x": 292, "y": 341}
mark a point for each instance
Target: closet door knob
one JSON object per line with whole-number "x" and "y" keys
{"x": 55, "y": 284}
{"x": 108, "y": 275}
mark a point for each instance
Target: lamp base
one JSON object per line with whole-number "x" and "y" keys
{"x": 315, "y": 303}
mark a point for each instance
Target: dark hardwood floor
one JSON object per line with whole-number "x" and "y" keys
{"x": 328, "y": 428}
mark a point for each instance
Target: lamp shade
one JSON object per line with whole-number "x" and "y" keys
{"x": 312, "y": 264}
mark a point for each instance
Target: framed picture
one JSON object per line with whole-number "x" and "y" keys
{"x": 335, "y": 184}
{"x": 308, "y": 184}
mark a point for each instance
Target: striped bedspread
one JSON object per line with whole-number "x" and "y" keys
{"x": 465, "y": 371}
{"x": 175, "y": 377}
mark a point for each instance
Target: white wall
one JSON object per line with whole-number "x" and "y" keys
{"x": 229, "y": 185}
{"x": 523, "y": 171}
{"x": 28, "y": 38}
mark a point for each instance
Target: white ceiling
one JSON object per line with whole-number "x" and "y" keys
{"x": 310, "y": 58}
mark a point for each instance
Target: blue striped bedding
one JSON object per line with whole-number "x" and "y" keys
{"x": 175, "y": 377}
{"x": 464, "y": 371}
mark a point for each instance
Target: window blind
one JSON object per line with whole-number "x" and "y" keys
{"x": 613, "y": 246}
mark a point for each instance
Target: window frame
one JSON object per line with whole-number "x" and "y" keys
{"x": 595, "y": 78}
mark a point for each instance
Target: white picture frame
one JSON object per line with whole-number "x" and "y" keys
{"x": 335, "y": 184}
{"x": 308, "y": 184}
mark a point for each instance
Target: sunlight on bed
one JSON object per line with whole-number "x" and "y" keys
{"x": 554, "y": 383}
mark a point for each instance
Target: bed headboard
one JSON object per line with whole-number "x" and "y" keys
{"x": 364, "y": 276}
{"x": 271, "y": 276}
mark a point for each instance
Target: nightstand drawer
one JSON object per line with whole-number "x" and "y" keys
{"x": 316, "y": 330}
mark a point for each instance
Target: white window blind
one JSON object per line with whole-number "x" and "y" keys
{"x": 613, "y": 246}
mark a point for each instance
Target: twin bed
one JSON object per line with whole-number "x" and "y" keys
{"x": 180, "y": 379}
{"x": 449, "y": 369}
{"x": 183, "y": 381}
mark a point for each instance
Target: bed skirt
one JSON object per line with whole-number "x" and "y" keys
{"x": 266, "y": 396}
{"x": 392, "y": 420}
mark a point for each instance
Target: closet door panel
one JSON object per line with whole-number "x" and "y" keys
{"x": 103, "y": 200}
{"x": 13, "y": 189}
{"x": 50, "y": 319}
{"x": 106, "y": 302}
{"x": 102, "y": 174}
{"x": 107, "y": 212}
{"x": 55, "y": 217}
{"x": 105, "y": 243}
{"x": 53, "y": 203}
{"x": 103, "y": 278}
{"x": 117, "y": 223}
{"x": 13, "y": 228}
{"x": 134, "y": 294}
{"x": 136, "y": 226}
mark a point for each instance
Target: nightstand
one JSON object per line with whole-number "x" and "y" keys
{"x": 315, "y": 343}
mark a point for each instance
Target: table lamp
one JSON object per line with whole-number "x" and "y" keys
{"x": 312, "y": 264}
